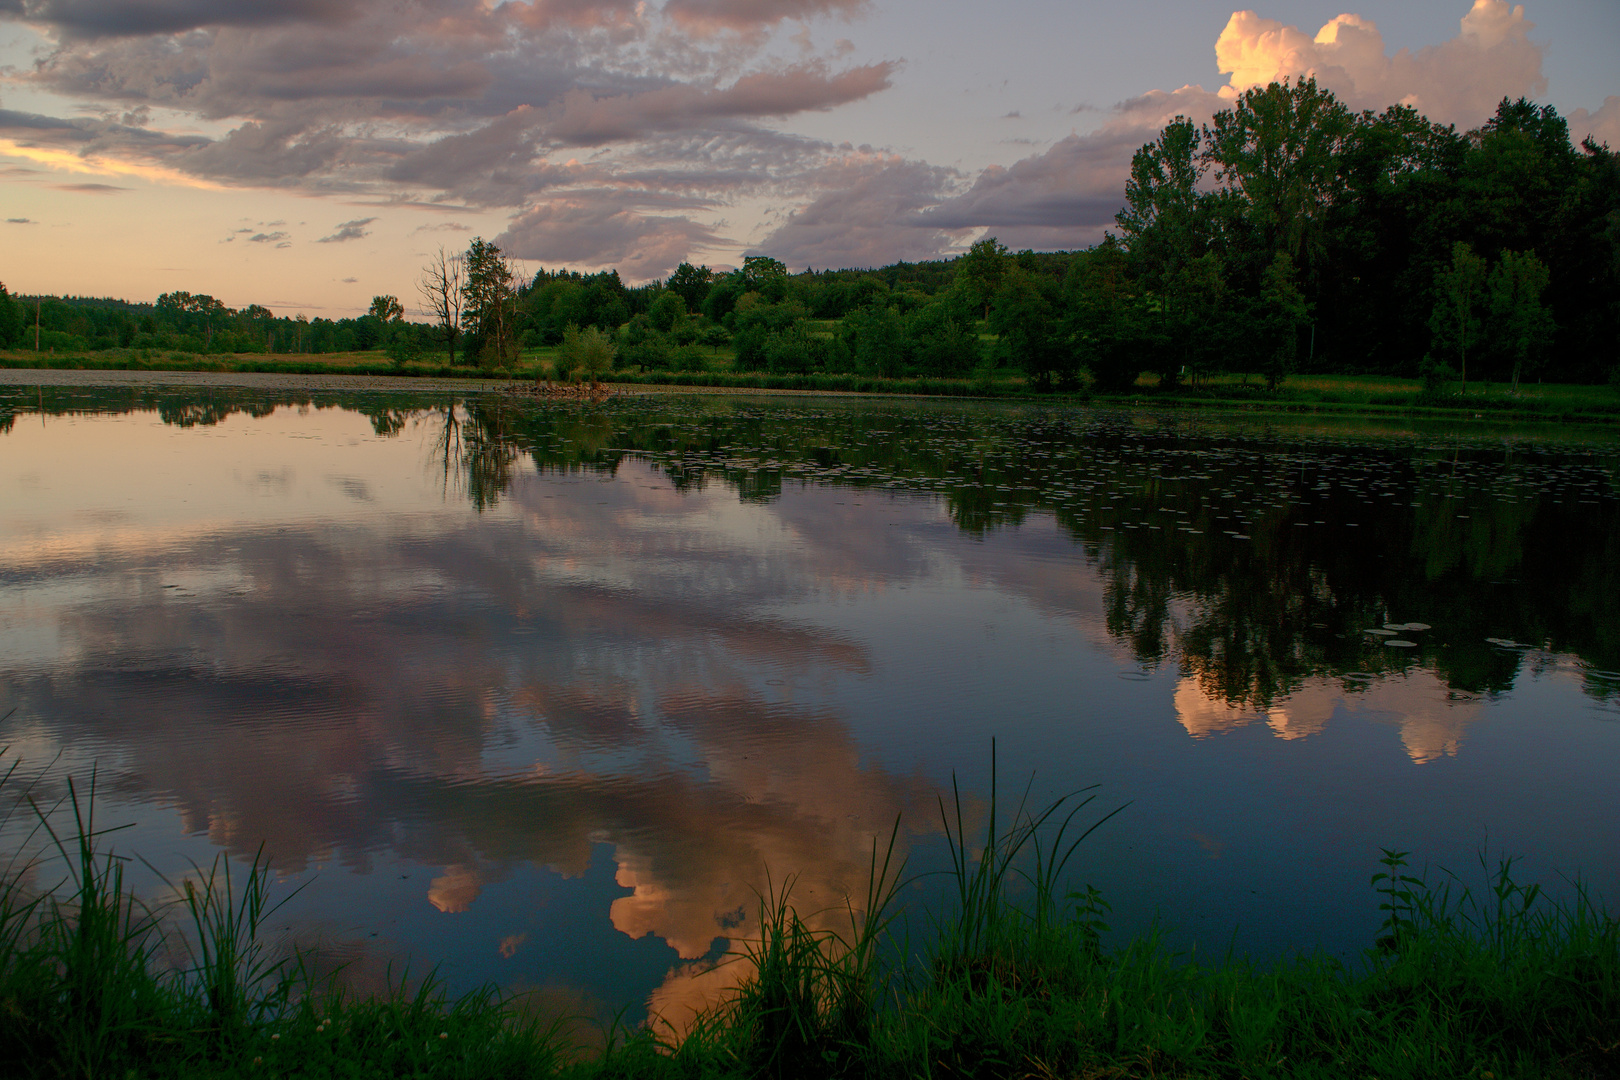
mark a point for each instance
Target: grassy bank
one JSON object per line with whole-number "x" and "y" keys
{"x": 1020, "y": 980}
{"x": 1327, "y": 394}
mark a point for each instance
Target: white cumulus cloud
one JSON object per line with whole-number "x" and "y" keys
{"x": 1458, "y": 81}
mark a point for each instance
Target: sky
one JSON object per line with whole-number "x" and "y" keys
{"x": 309, "y": 154}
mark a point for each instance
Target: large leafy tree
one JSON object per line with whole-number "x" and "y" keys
{"x": 489, "y": 303}
{"x": 1275, "y": 154}
{"x": 1104, "y": 322}
{"x": 691, "y": 284}
{"x": 979, "y": 272}
{"x": 1165, "y": 226}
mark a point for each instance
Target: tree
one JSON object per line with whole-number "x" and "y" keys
{"x": 1460, "y": 293}
{"x": 1160, "y": 226}
{"x": 1521, "y": 328}
{"x": 386, "y": 309}
{"x": 667, "y": 312}
{"x": 440, "y": 289}
{"x": 766, "y": 276}
{"x": 941, "y": 344}
{"x": 691, "y": 284}
{"x": 876, "y": 336}
{"x": 11, "y": 319}
{"x": 489, "y": 303}
{"x": 1024, "y": 319}
{"x": 1165, "y": 227}
{"x": 585, "y": 353}
{"x": 1276, "y": 154}
{"x": 1103, "y": 317}
{"x": 1195, "y": 318}
{"x": 1283, "y": 311}
{"x": 979, "y": 272}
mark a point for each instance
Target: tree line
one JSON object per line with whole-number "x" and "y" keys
{"x": 1286, "y": 234}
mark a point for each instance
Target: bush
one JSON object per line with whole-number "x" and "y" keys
{"x": 585, "y": 353}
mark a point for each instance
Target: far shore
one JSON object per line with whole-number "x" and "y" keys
{"x": 277, "y": 380}
{"x": 1343, "y": 396}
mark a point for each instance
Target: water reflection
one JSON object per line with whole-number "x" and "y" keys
{"x": 656, "y": 647}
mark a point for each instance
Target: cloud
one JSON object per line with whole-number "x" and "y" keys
{"x": 91, "y": 189}
{"x": 1601, "y": 126}
{"x": 101, "y": 18}
{"x": 753, "y": 15}
{"x": 867, "y": 217}
{"x": 587, "y": 120}
{"x": 1458, "y": 81}
{"x": 267, "y": 238}
{"x": 348, "y": 230}
{"x": 456, "y": 104}
{"x": 20, "y": 221}
{"x": 595, "y": 229}
{"x": 1067, "y": 196}
{"x": 272, "y": 154}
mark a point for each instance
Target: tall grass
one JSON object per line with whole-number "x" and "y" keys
{"x": 95, "y": 982}
{"x": 1019, "y": 977}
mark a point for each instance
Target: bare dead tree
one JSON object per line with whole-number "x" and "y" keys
{"x": 440, "y": 287}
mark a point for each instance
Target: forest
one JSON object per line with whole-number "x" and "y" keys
{"x": 1286, "y": 235}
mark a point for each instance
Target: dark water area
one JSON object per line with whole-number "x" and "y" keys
{"x": 544, "y": 693}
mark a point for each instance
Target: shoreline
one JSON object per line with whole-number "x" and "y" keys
{"x": 275, "y": 380}
{"x": 1484, "y": 412}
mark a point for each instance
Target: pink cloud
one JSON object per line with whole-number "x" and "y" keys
{"x": 1458, "y": 81}
{"x": 1601, "y": 125}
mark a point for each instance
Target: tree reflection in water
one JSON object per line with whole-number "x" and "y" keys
{"x": 1252, "y": 560}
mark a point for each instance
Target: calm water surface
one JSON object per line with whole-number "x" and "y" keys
{"x": 539, "y": 693}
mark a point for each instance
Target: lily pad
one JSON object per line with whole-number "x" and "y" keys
{"x": 1379, "y": 630}
{"x": 1400, "y": 643}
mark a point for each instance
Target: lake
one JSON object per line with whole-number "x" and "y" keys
{"x": 546, "y": 694}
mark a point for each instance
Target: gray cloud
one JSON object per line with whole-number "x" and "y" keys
{"x": 1067, "y": 196}
{"x": 268, "y": 238}
{"x": 20, "y": 221}
{"x": 587, "y": 120}
{"x": 91, "y": 189}
{"x": 868, "y": 216}
{"x": 746, "y": 15}
{"x": 595, "y": 229}
{"x": 348, "y": 230}
{"x": 99, "y": 18}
